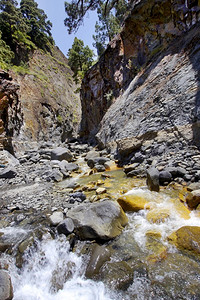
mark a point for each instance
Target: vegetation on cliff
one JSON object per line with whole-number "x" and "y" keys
{"x": 22, "y": 30}
{"x": 111, "y": 15}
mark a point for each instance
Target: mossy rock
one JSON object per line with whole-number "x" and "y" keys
{"x": 133, "y": 203}
{"x": 158, "y": 215}
{"x": 187, "y": 238}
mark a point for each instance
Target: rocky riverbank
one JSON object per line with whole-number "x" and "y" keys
{"x": 81, "y": 193}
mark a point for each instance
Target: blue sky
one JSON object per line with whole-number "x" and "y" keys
{"x": 56, "y": 14}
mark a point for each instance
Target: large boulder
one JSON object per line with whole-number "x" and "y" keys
{"x": 60, "y": 153}
{"x": 133, "y": 203}
{"x": 187, "y": 238}
{"x": 102, "y": 221}
{"x": 8, "y": 173}
{"x": 6, "y": 290}
{"x": 153, "y": 179}
{"x": 193, "y": 199}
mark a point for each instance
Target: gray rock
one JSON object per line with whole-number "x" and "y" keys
{"x": 69, "y": 167}
{"x": 92, "y": 154}
{"x": 8, "y": 173}
{"x": 66, "y": 226}
{"x": 99, "y": 168}
{"x": 165, "y": 176}
{"x": 56, "y": 218}
{"x": 6, "y": 290}
{"x": 56, "y": 175}
{"x": 79, "y": 195}
{"x": 97, "y": 161}
{"x": 138, "y": 158}
{"x": 153, "y": 179}
{"x": 103, "y": 220}
{"x": 61, "y": 154}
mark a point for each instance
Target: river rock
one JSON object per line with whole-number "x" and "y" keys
{"x": 187, "y": 238}
{"x": 61, "y": 154}
{"x": 69, "y": 167}
{"x": 6, "y": 290}
{"x": 103, "y": 220}
{"x": 99, "y": 255}
{"x": 158, "y": 215}
{"x": 132, "y": 203}
{"x": 8, "y": 173}
{"x": 193, "y": 186}
{"x": 66, "y": 227}
{"x": 193, "y": 199}
{"x": 56, "y": 218}
{"x": 118, "y": 275}
{"x": 165, "y": 176}
{"x": 99, "y": 168}
{"x": 56, "y": 175}
{"x": 153, "y": 179}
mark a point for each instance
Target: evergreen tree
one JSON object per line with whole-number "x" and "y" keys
{"x": 39, "y": 26}
{"x": 6, "y": 55}
{"x": 10, "y": 21}
{"x": 80, "y": 58}
{"x": 109, "y": 25}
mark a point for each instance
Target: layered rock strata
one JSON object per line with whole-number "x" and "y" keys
{"x": 143, "y": 95}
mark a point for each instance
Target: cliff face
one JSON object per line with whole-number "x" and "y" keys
{"x": 147, "y": 82}
{"x": 51, "y": 108}
{"x": 11, "y": 116}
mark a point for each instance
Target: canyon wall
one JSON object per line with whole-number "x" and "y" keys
{"x": 144, "y": 91}
{"x": 45, "y": 106}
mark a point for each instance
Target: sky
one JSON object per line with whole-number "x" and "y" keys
{"x": 55, "y": 11}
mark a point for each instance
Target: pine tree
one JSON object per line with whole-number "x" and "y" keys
{"x": 39, "y": 26}
{"x": 80, "y": 58}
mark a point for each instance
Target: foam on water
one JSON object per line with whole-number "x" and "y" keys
{"x": 54, "y": 273}
{"x": 139, "y": 224}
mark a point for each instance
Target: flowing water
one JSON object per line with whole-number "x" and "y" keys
{"x": 52, "y": 272}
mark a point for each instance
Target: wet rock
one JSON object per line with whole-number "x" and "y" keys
{"x": 4, "y": 247}
{"x": 133, "y": 203}
{"x": 6, "y": 290}
{"x": 118, "y": 275}
{"x": 158, "y": 215}
{"x": 153, "y": 179}
{"x": 99, "y": 168}
{"x": 8, "y": 173}
{"x": 99, "y": 255}
{"x": 92, "y": 154}
{"x": 193, "y": 186}
{"x": 61, "y": 154}
{"x": 110, "y": 165}
{"x": 56, "y": 218}
{"x": 130, "y": 168}
{"x": 103, "y": 220}
{"x": 66, "y": 227}
{"x": 187, "y": 238}
{"x": 100, "y": 191}
{"x": 193, "y": 199}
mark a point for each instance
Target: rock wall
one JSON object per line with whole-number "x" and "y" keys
{"x": 146, "y": 84}
{"x": 50, "y": 105}
{"x": 11, "y": 116}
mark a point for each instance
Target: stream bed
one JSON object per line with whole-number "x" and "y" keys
{"x": 141, "y": 263}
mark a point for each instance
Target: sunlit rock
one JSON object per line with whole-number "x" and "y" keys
{"x": 133, "y": 203}
{"x": 101, "y": 220}
{"x": 187, "y": 238}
